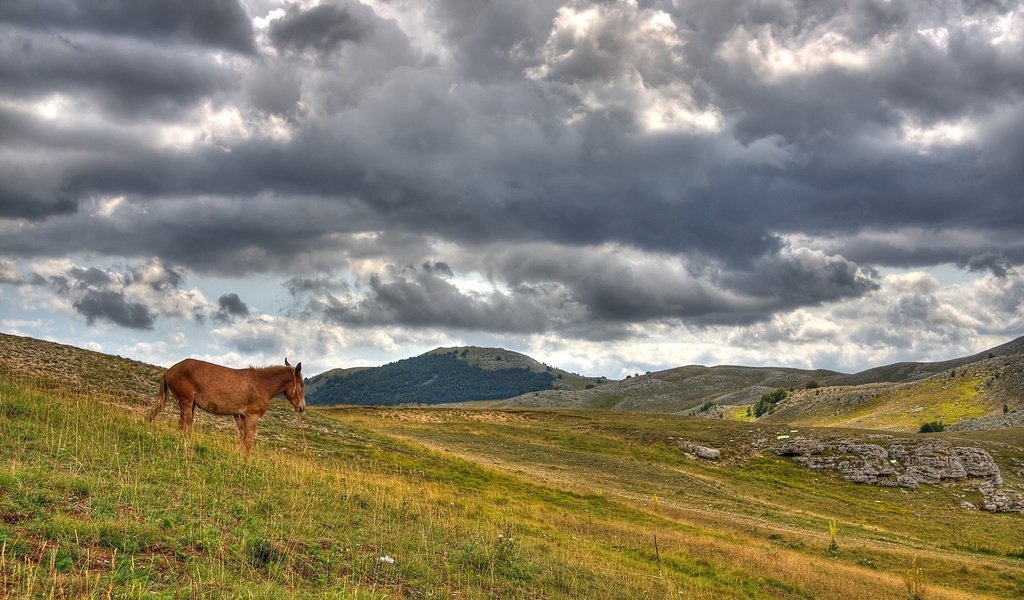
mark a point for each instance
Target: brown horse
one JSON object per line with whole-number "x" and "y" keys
{"x": 244, "y": 394}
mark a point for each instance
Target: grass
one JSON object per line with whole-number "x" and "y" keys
{"x": 367, "y": 503}
{"x": 753, "y": 499}
{"x": 739, "y": 413}
{"x": 898, "y": 407}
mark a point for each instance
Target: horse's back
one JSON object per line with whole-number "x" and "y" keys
{"x": 199, "y": 373}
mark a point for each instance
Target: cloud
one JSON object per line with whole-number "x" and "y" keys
{"x": 215, "y": 23}
{"x": 323, "y": 28}
{"x": 595, "y": 169}
{"x": 118, "y": 75}
{"x": 133, "y": 297}
{"x": 230, "y": 307}
{"x": 591, "y": 293}
{"x": 114, "y": 307}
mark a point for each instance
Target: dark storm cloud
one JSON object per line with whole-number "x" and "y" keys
{"x": 322, "y": 28}
{"x": 574, "y": 129}
{"x": 17, "y": 205}
{"x": 494, "y": 41}
{"x": 125, "y": 77}
{"x": 217, "y": 23}
{"x": 419, "y": 298}
{"x": 112, "y": 306}
{"x": 231, "y": 306}
{"x": 592, "y": 293}
{"x": 440, "y": 268}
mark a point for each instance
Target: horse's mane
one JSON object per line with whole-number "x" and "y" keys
{"x": 268, "y": 367}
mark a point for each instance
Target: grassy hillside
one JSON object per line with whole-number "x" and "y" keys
{"x": 684, "y": 389}
{"x": 48, "y": 364}
{"x": 981, "y": 387}
{"x": 96, "y": 502}
{"x": 906, "y": 371}
{"x": 444, "y": 375}
{"x": 970, "y": 391}
{"x": 406, "y": 503}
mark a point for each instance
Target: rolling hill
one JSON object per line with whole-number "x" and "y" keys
{"x": 679, "y": 390}
{"x": 983, "y": 391}
{"x": 441, "y": 376}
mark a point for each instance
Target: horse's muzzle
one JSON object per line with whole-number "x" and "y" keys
{"x": 301, "y": 409}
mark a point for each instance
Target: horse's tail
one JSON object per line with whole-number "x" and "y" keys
{"x": 159, "y": 406}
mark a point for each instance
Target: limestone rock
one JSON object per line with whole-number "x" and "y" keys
{"x": 997, "y": 500}
{"x": 708, "y": 453}
{"x": 906, "y": 464}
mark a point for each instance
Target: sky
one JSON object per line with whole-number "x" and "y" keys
{"x": 608, "y": 186}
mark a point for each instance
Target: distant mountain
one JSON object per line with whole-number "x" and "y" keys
{"x": 442, "y": 376}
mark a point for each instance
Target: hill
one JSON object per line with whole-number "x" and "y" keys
{"x": 49, "y": 364}
{"x": 444, "y": 375}
{"x": 680, "y": 390}
{"x": 983, "y": 391}
{"x": 970, "y": 391}
{"x": 908, "y": 371}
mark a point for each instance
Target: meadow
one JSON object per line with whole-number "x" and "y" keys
{"x": 419, "y": 503}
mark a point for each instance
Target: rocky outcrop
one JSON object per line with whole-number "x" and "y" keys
{"x": 856, "y": 461}
{"x": 998, "y": 500}
{"x": 906, "y": 465}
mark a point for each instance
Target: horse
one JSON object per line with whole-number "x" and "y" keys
{"x": 244, "y": 394}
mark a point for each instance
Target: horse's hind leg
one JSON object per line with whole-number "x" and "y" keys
{"x": 186, "y": 411}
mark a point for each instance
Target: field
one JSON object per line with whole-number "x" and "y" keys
{"x": 418, "y": 503}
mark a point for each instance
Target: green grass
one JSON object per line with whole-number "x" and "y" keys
{"x": 899, "y": 408}
{"x": 486, "y": 504}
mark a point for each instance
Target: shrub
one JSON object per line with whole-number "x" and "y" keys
{"x": 812, "y": 385}
{"x": 932, "y": 426}
{"x": 768, "y": 401}
{"x": 833, "y": 546}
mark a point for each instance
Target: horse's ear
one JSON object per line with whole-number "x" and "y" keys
{"x": 298, "y": 368}
{"x": 286, "y": 362}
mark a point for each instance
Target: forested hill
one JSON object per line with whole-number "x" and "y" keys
{"x": 442, "y": 376}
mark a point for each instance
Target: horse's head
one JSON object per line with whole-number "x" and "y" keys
{"x": 296, "y": 392}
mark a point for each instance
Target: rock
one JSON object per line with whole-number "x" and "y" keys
{"x": 800, "y": 447}
{"x": 996, "y": 500}
{"x": 907, "y": 465}
{"x": 968, "y": 505}
{"x": 979, "y": 464}
{"x": 855, "y": 461}
{"x": 708, "y": 453}
{"x": 931, "y": 462}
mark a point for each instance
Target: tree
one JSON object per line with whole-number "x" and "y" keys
{"x": 768, "y": 401}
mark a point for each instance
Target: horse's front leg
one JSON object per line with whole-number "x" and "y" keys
{"x": 240, "y": 423}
